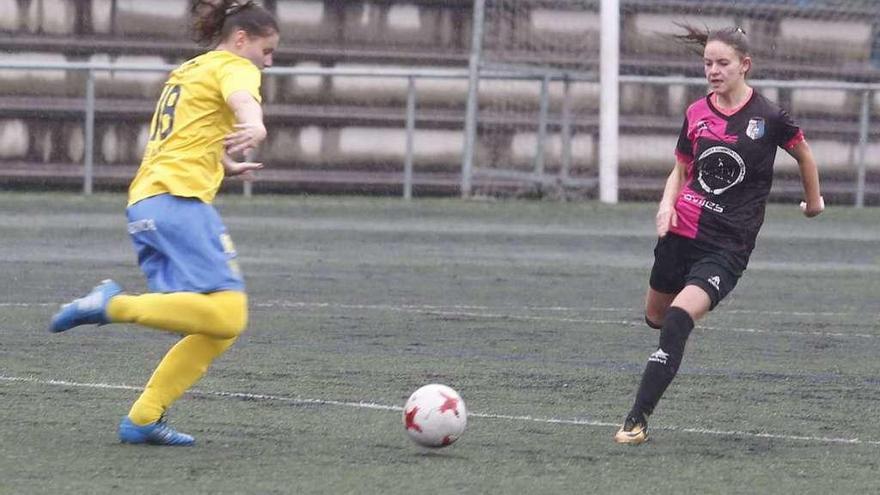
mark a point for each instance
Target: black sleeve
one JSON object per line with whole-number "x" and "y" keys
{"x": 685, "y": 146}
{"x": 786, "y": 129}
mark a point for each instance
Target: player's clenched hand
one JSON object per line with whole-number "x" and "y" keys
{"x": 666, "y": 218}
{"x": 245, "y": 138}
{"x": 813, "y": 208}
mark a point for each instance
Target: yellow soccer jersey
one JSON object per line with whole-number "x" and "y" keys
{"x": 185, "y": 147}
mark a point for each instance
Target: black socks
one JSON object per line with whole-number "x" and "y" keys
{"x": 663, "y": 363}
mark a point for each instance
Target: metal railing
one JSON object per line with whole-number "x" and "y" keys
{"x": 410, "y": 74}
{"x": 866, "y": 90}
{"x": 542, "y": 77}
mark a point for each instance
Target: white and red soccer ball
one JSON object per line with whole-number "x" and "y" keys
{"x": 434, "y": 416}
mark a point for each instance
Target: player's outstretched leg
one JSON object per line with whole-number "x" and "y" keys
{"x": 659, "y": 372}
{"x": 90, "y": 309}
{"x": 158, "y": 433}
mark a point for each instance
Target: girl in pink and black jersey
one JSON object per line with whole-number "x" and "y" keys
{"x": 712, "y": 207}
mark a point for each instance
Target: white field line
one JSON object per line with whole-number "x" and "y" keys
{"x": 558, "y": 309}
{"x": 27, "y": 305}
{"x": 455, "y": 307}
{"x": 440, "y": 311}
{"x": 465, "y": 311}
{"x": 385, "y": 407}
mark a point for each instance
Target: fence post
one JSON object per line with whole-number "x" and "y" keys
{"x": 410, "y": 137}
{"x": 542, "y": 127}
{"x": 247, "y": 186}
{"x": 470, "y": 125}
{"x": 864, "y": 123}
{"x": 565, "y": 168}
{"x": 89, "y": 158}
{"x": 609, "y": 104}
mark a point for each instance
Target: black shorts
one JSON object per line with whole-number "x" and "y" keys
{"x": 679, "y": 261}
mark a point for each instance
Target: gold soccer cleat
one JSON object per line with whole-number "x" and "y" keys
{"x": 633, "y": 432}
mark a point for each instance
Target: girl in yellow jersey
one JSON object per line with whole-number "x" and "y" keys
{"x": 207, "y": 117}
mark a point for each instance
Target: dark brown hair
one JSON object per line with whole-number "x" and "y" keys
{"x": 734, "y": 37}
{"x": 214, "y": 20}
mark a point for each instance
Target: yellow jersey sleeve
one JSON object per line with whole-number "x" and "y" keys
{"x": 240, "y": 75}
{"x": 185, "y": 145}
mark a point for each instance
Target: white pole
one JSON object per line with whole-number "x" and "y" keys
{"x": 864, "y": 126}
{"x": 470, "y": 124}
{"x": 609, "y": 108}
{"x": 89, "y": 158}
{"x": 410, "y": 138}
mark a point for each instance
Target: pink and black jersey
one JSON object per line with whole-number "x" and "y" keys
{"x": 729, "y": 172}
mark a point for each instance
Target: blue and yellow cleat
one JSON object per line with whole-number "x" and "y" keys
{"x": 158, "y": 433}
{"x": 89, "y": 309}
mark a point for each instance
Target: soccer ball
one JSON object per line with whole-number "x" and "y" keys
{"x": 434, "y": 416}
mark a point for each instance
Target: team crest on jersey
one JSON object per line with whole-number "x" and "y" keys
{"x": 719, "y": 169}
{"x": 756, "y": 127}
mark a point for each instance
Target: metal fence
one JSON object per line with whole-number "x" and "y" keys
{"x": 515, "y": 53}
{"x": 412, "y": 75}
{"x": 865, "y": 89}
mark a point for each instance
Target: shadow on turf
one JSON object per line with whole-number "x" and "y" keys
{"x": 440, "y": 454}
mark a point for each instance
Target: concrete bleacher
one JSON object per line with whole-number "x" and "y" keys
{"x": 301, "y": 20}
{"x": 14, "y": 138}
{"x": 57, "y": 17}
{"x": 824, "y": 102}
{"x": 802, "y": 39}
{"x": 122, "y": 143}
{"x": 42, "y": 82}
{"x": 357, "y": 124}
{"x": 654, "y": 32}
{"x": 167, "y": 18}
{"x": 576, "y": 30}
{"x": 823, "y": 39}
{"x": 129, "y": 84}
{"x": 9, "y": 15}
{"x": 523, "y": 145}
{"x": 361, "y": 147}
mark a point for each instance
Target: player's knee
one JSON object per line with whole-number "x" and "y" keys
{"x": 237, "y": 319}
{"x": 654, "y": 316}
{"x": 230, "y": 329}
{"x": 656, "y": 309}
{"x": 651, "y": 321}
{"x": 232, "y": 306}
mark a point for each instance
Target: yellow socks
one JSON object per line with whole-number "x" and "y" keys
{"x": 182, "y": 367}
{"x": 210, "y": 323}
{"x": 221, "y": 315}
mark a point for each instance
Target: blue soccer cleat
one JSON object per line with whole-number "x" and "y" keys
{"x": 158, "y": 433}
{"x": 89, "y": 309}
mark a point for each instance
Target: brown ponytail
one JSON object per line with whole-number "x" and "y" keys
{"x": 697, "y": 38}
{"x": 214, "y": 20}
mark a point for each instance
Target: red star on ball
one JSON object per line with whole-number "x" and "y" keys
{"x": 450, "y": 404}
{"x": 410, "y": 418}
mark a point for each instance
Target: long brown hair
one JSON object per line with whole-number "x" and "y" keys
{"x": 214, "y": 20}
{"x": 697, "y": 38}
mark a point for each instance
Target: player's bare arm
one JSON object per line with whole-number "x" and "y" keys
{"x": 249, "y": 131}
{"x": 813, "y": 203}
{"x": 666, "y": 216}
